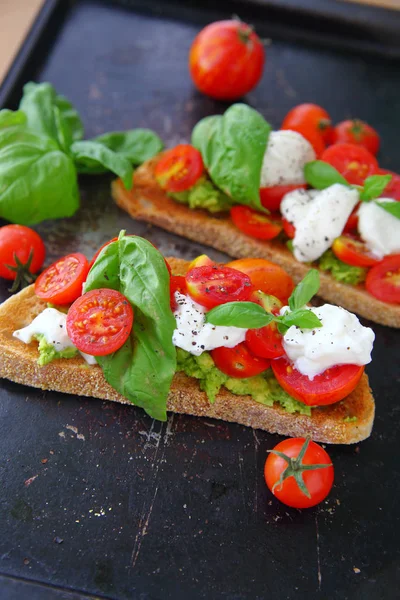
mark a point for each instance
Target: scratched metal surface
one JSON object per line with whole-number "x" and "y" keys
{"x": 98, "y": 498}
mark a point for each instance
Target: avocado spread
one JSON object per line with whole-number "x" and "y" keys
{"x": 47, "y": 352}
{"x": 204, "y": 194}
{"x": 262, "y": 388}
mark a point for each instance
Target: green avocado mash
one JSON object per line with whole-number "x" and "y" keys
{"x": 262, "y": 388}
{"x": 47, "y": 352}
{"x": 340, "y": 271}
{"x": 204, "y": 194}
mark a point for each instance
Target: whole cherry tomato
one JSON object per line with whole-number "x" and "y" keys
{"x": 239, "y": 362}
{"x": 255, "y": 224}
{"x": 354, "y": 131}
{"x": 355, "y": 163}
{"x": 383, "y": 280}
{"x": 313, "y": 122}
{"x": 392, "y": 190}
{"x": 226, "y": 60}
{"x": 22, "y": 253}
{"x": 288, "y": 474}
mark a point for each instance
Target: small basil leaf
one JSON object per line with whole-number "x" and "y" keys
{"x": 305, "y": 319}
{"x": 247, "y": 315}
{"x": 374, "y": 186}
{"x": 321, "y": 175}
{"x": 92, "y": 154}
{"x": 136, "y": 145}
{"x": 391, "y": 207}
{"x": 305, "y": 290}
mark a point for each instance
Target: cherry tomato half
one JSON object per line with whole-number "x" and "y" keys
{"x": 392, "y": 190}
{"x": 179, "y": 168}
{"x": 271, "y": 197}
{"x": 289, "y": 228}
{"x": 226, "y": 60}
{"x": 352, "y": 221}
{"x": 61, "y": 283}
{"x": 214, "y": 285}
{"x": 20, "y": 241}
{"x": 239, "y": 362}
{"x": 317, "y": 481}
{"x": 355, "y": 163}
{"x": 312, "y": 118}
{"x": 332, "y": 385}
{"x": 177, "y": 283}
{"x": 254, "y": 223}
{"x": 354, "y": 252}
{"x": 265, "y": 342}
{"x": 354, "y": 131}
{"x": 383, "y": 280}
{"x": 265, "y": 276}
{"x": 100, "y": 321}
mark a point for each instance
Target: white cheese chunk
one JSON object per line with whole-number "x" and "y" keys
{"x": 284, "y": 159}
{"x": 318, "y": 217}
{"x": 194, "y": 335}
{"x": 341, "y": 340}
{"x": 379, "y": 229}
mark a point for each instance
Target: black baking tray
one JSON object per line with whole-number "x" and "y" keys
{"x": 126, "y": 507}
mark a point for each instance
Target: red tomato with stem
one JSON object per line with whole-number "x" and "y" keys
{"x": 353, "y": 251}
{"x": 265, "y": 276}
{"x": 299, "y": 472}
{"x": 61, "y": 283}
{"x": 226, "y": 60}
{"x": 383, "y": 280}
{"x": 328, "y": 387}
{"x": 177, "y": 284}
{"x": 214, "y": 285}
{"x": 271, "y": 197}
{"x": 22, "y": 253}
{"x": 255, "y": 224}
{"x": 100, "y": 321}
{"x": 392, "y": 190}
{"x": 355, "y": 131}
{"x": 179, "y": 168}
{"x": 310, "y": 118}
{"x": 355, "y": 163}
{"x": 239, "y": 362}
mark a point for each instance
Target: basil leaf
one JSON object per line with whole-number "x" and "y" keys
{"x": 374, "y": 186}
{"x": 305, "y": 290}
{"x": 247, "y": 315}
{"x": 136, "y": 145}
{"x": 9, "y": 118}
{"x": 142, "y": 369}
{"x": 305, "y": 319}
{"x": 391, "y": 207}
{"x": 71, "y": 117}
{"x": 88, "y": 155}
{"x": 321, "y": 175}
{"x": 233, "y": 147}
{"x": 37, "y": 180}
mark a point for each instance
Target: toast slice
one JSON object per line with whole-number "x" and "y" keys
{"x": 147, "y": 202}
{"x": 18, "y": 362}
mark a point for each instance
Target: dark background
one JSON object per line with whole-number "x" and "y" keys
{"x": 97, "y": 497}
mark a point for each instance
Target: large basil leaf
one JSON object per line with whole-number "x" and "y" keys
{"x": 10, "y": 118}
{"x": 37, "y": 180}
{"x": 142, "y": 369}
{"x": 136, "y": 145}
{"x": 233, "y": 147}
{"x": 92, "y": 157}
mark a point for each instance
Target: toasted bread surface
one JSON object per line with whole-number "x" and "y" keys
{"x": 147, "y": 202}
{"x": 18, "y": 362}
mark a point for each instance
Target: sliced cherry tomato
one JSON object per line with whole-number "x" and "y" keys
{"x": 265, "y": 342}
{"x": 310, "y": 117}
{"x": 392, "y": 190}
{"x": 265, "y": 276}
{"x": 352, "y": 221}
{"x": 332, "y": 385}
{"x": 100, "y": 321}
{"x": 201, "y": 261}
{"x": 271, "y": 197}
{"x": 254, "y": 223}
{"x": 179, "y": 168}
{"x": 61, "y": 283}
{"x": 22, "y": 253}
{"x": 355, "y": 163}
{"x": 214, "y": 285}
{"x": 383, "y": 280}
{"x": 239, "y": 362}
{"x": 177, "y": 284}
{"x": 318, "y": 482}
{"x": 354, "y": 131}
{"x": 226, "y": 60}
{"x": 288, "y": 228}
{"x": 353, "y": 251}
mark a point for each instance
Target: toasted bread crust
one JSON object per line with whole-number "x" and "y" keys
{"x": 147, "y": 202}
{"x": 18, "y": 362}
